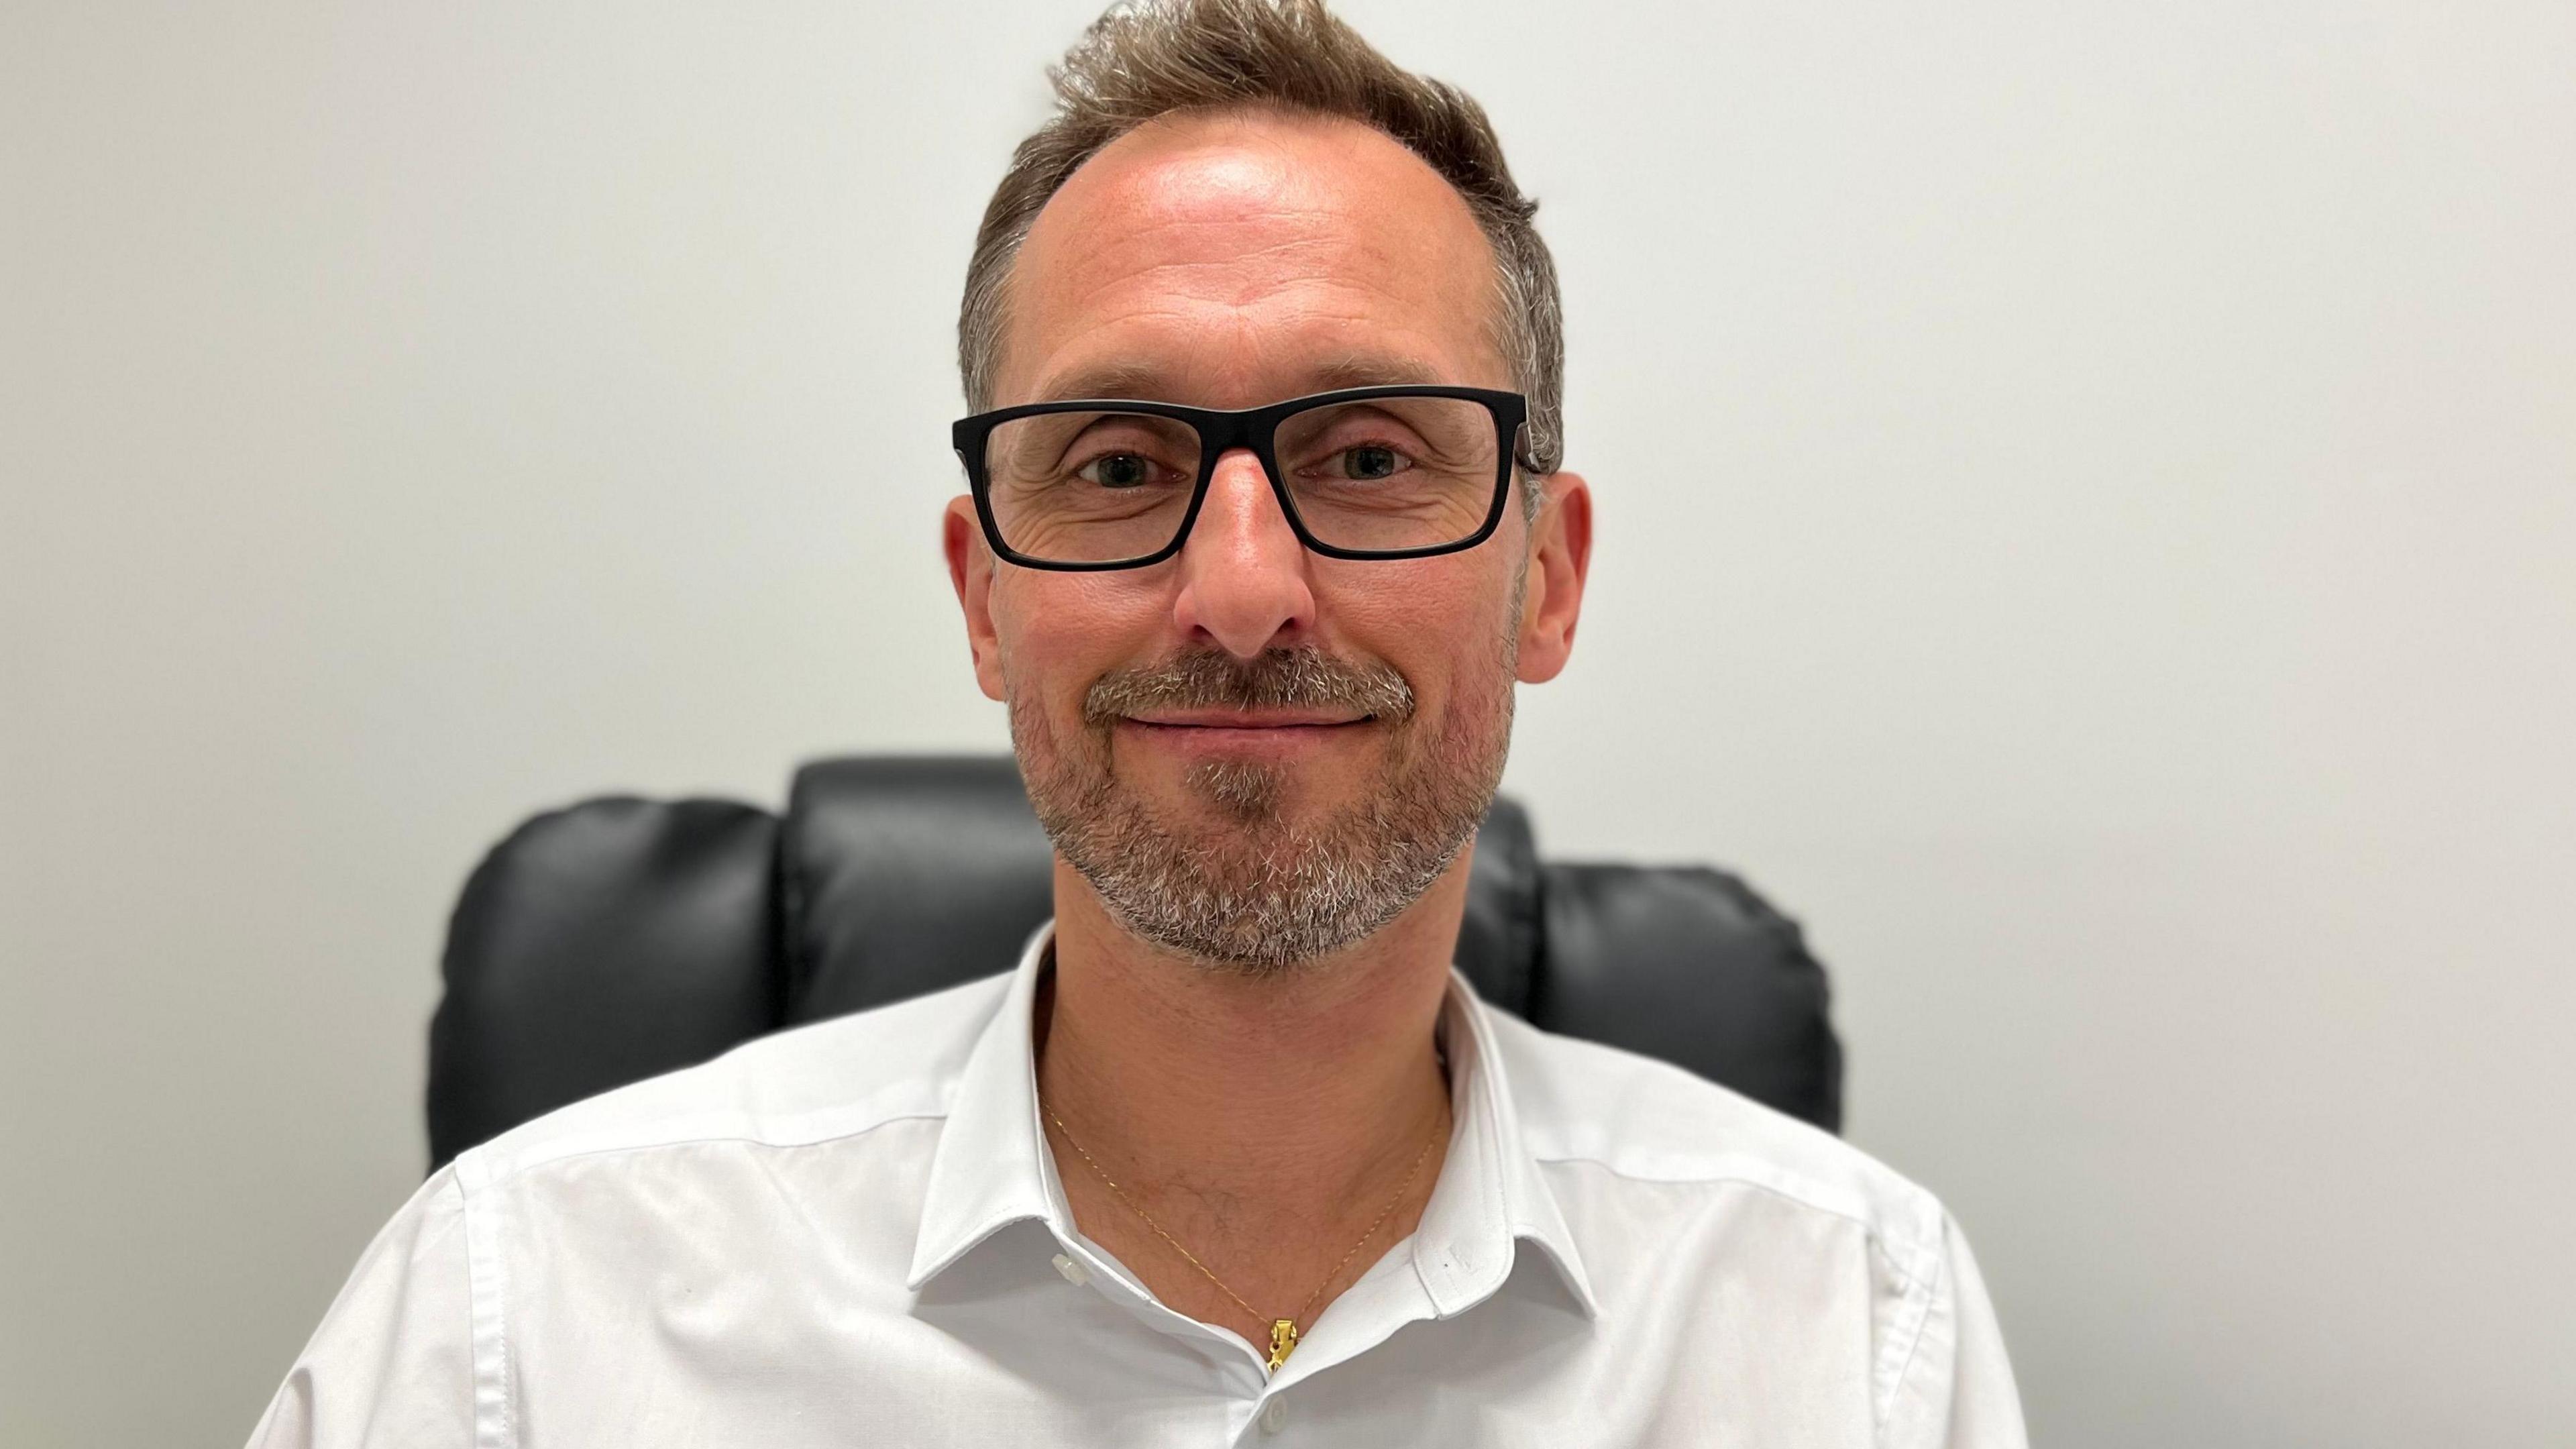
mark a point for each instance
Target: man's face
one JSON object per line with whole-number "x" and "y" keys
{"x": 1257, "y": 755}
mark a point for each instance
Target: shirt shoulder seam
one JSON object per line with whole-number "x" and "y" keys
{"x": 487, "y": 1331}
{"x": 1792, "y": 1186}
{"x": 476, "y": 1171}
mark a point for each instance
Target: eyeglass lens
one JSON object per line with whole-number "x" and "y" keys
{"x": 1381, "y": 475}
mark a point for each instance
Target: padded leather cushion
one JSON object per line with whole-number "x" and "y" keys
{"x": 1688, "y": 965}
{"x": 599, "y": 945}
{"x": 901, "y": 876}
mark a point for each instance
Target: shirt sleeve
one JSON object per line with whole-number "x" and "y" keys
{"x": 1957, "y": 1391}
{"x": 392, "y": 1365}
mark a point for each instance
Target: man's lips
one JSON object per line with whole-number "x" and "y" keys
{"x": 1239, "y": 719}
{"x": 1277, "y": 736}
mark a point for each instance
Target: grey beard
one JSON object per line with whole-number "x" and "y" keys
{"x": 1259, "y": 896}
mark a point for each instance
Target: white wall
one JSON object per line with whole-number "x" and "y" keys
{"x": 2089, "y": 522}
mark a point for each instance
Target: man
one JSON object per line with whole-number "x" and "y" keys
{"x": 1265, "y": 522}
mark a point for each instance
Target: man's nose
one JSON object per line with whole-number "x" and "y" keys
{"x": 1242, "y": 570}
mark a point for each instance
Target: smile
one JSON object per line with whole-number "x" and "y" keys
{"x": 1277, "y": 735}
{"x": 1247, "y": 719}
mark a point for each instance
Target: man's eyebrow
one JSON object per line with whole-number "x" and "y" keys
{"x": 1364, "y": 371}
{"x": 1131, "y": 380}
{"x": 1144, "y": 381}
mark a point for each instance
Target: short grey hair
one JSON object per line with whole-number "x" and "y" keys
{"x": 1143, "y": 59}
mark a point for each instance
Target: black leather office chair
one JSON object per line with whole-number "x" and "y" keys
{"x": 620, "y": 938}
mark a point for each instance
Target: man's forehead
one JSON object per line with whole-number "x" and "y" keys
{"x": 1318, "y": 240}
{"x": 1153, "y": 377}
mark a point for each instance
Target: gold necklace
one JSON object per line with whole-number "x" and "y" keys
{"x": 1283, "y": 1331}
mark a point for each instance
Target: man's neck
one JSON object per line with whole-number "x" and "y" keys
{"x": 1247, "y": 1112}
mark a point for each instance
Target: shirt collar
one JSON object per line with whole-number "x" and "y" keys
{"x": 1491, "y": 1196}
{"x": 990, "y": 1167}
{"x": 985, "y": 1173}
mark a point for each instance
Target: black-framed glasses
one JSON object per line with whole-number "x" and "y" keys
{"x": 1361, "y": 473}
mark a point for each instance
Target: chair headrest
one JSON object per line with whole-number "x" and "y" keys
{"x": 618, "y": 938}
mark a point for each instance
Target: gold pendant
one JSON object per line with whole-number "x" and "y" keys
{"x": 1283, "y": 1341}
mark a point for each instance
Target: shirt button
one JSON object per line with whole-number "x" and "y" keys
{"x": 1274, "y": 1416}
{"x": 1074, "y": 1273}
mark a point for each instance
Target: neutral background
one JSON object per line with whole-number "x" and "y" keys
{"x": 2088, "y": 522}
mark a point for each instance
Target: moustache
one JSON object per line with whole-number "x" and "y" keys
{"x": 1300, "y": 678}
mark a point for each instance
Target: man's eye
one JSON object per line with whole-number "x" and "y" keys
{"x": 1372, "y": 461}
{"x": 1117, "y": 470}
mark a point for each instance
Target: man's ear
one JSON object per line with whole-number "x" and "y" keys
{"x": 970, "y": 571}
{"x": 1560, "y": 554}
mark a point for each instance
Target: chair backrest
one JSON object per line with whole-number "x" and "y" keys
{"x": 620, "y": 938}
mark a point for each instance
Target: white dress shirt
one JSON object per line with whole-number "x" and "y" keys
{"x": 852, "y": 1233}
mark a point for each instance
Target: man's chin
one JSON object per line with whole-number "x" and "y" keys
{"x": 1244, "y": 793}
{"x": 1250, "y": 802}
